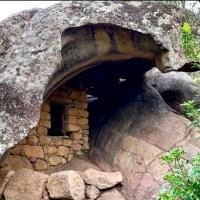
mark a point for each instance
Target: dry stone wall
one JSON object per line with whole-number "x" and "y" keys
{"x": 46, "y": 151}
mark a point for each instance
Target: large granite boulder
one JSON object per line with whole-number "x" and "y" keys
{"x": 130, "y": 129}
{"x": 62, "y": 40}
{"x": 174, "y": 87}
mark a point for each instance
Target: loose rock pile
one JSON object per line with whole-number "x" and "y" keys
{"x": 91, "y": 184}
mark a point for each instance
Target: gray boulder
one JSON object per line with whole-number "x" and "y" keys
{"x": 174, "y": 87}
{"x": 62, "y": 40}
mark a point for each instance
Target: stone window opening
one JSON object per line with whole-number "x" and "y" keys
{"x": 57, "y": 112}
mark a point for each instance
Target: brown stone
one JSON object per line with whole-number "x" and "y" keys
{"x": 51, "y": 149}
{"x": 85, "y": 132}
{"x": 5, "y": 181}
{"x": 40, "y": 165}
{"x": 85, "y": 138}
{"x": 33, "y": 132}
{"x": 60, "y": 93}
{"x": 13, "y": 162}
{"x": 112, "y": 194}
{"x": 63, "y": 160}
{"x": 70, "y": 157}
{"x": 15, "y": 150}
{"x": 62, "y": 151}
{"x": 76, "y": 147}
{"x": 82, "y": 121}
{"x": 25, "y": 184}
{"x": 54, "y": 160}
{"x": 56, "y": 141}
{"x": 77, "y": 112}
{"x": 91, "y": 192}
{"x": 32, "y": 159}
{"x": 81, "y": 105}
{"x": 44, "y": 140}
{"x": 101, "y": 180}
{"x": 75, "y": 136}
{"x": 32, "y": 151}
{"x": 47, "y": 124}
{"x": 67, "y": 142}
{"x": 32, "y": 140}
{"x": 78, "y": 142}
{"x": 70, "y": 119}
{"x": 86, "y": 127}
{"x": 42, "y": 130}
{"x": 45, "y": 107}
{"x": 22, "y": 142}
{"x": 66, "y": 185}
{"x": 85, "y": 145}
{"x": 58, "y": 99}
{"x": 71, "y": 128}
{"x": 78, "y": 95}
{"x": 45, "y": 115}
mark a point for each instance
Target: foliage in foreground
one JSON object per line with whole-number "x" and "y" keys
{"x": 183, "y": 181}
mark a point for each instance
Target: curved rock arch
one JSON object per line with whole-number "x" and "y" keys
{"x": 35, "y": 56}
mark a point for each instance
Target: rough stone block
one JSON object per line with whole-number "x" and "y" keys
{"x": 82, "y": 121}
{"x": 32, "y": 140}
{"x": 22, "y": 142}
{"x": 81, "y": 105}
{"x": 70, "y": 157}
{"x": 71, "y": 128}
{"x": 22, "y": 185}
{"x": 85, "y": 145}
{"x": 78, "y": 95}
{"x": 75, "y": 136}
{"x": 85, "y": 132}
{"x": 59, "y": 99}
{"x": 42, "y": 130}
{"x": 63, "y": 160}
{"x": 32, "y": 151}
{"x": 91, "y": 192}
{"x": 51, "y": 149}
{"x": 70, "y": 119}
{"x": 67, "y": 142}
{"x": 85, "y": 138}
{"x": 5, "y": 181}
{"x": 63, "y": 151}
{"x": 76, "y": 147}
{"x": 54, "y": 160}
{"x": 15, "y": 150}
{"x": 77, "y": 112}
{"x": 60, "y": 93}
{"x": 101, "y": 180}
{"x": 45, "y": 107}
{"x": 66, "y": 185}
{"x": 40, "y": 165}
{"x": 78, "y": 142}
{"x": 45, "y": 115}
{"x": 47, "y": 124}
{"x": 44, "y": 140}
{"x": 86, "y": 127}
{"x": 33, "y": 132}
{"x": 56, "y": 141}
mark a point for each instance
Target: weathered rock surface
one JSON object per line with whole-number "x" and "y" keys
{"x": 111, "y": 194}
{"x": 131, "y": 130}
{"x": 101, "y": 180}
{"x": 91, "y": 192}
{"x": 66, "y": 185}
{"x": 13, "y": 162}
{"x": 36, "y": 64}
{"x": 25, "y": 184}
{"x": 174, "y": 87}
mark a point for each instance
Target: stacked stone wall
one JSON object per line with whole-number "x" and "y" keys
{"x": 45, "y": 151}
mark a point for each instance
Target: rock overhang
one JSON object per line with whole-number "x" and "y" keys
{"x": 36, "y": 54}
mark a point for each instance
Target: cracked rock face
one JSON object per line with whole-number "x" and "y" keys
{"x": 33, "y": 56}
